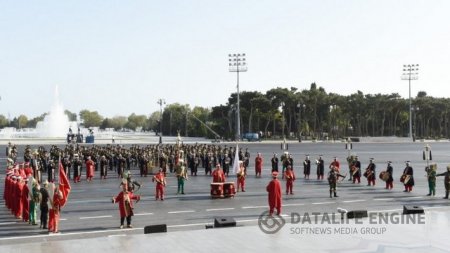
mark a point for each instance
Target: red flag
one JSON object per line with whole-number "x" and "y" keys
{"x": 64, "y": 184}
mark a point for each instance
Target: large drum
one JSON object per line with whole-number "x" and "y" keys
{"x": 405, "y": 178}
{"x": 353, "y": 170}
{"x": 228, "y": 189}
{"x": 217, "y": 190}
{"x": 384, "y": 176}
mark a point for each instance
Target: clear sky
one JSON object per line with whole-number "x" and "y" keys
{"x": 119, "y": 57}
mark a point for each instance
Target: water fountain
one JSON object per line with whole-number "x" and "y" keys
{"x": 55, "y": 124}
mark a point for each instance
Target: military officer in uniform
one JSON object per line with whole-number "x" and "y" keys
{"x": 333, "y": 176}
{"x": 446, "y": 181}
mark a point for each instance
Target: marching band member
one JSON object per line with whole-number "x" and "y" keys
{"x": 285, "y": 161}
{"x": 181, "y": 176}
{"x": 408, "y": 178}
{"x": 44, "y": 205}
{"x": 55, "y": 203}
{"x": 218, "y": 175}
{"x": 274, "y": 194}
{"x": 370, "y": 173}
{"x": 226, "y": 164}
{"x": 290, "y": 178}
{"x": 241, "y": 176}
{"x": 37, "y": 166}
{"x": 34, "y": 199}
{"x": 446, "y": 181}
{"x": 125, "y": 201}
{"x": 356, "y": 170}
{"x": 51, "y": 171}
{"x": 431, "y": 176}
{"x": 258, "y": 165}
{"x": 103, "y": 167}
{"x": 160, "y": 184}
{"x": 390, "y": 171}
{"x": 90, "y": 165}
{"x": 274, "y": 162}
{"x": 76, "y": 168}
{"x": 307, "y": 167}
{"x": 320, "y": 167}
{"x": 335, "y": 164}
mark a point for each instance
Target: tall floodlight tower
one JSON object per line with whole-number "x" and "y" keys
{"x": 237, "y": 63}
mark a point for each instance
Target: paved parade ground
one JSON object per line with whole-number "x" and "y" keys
{"x": 90, "y": 215}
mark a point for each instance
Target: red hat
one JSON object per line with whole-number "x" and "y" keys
{"x": 275, "y": 174}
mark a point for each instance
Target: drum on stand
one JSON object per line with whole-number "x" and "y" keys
{"x": 217, "y": 190}
{"x": 228, "y": 189}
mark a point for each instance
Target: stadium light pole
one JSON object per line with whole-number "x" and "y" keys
{"x": 160, "y": 102}
{"x": 237, "y": 63}
{"x": 410, "y": 72}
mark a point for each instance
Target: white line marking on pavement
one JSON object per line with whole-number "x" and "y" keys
{"x": 353, "y": 201}
{"x": 187, "y": 211}
{"x": 96, "y": 217}
{"x": 416, "y": 197}
{"x": 383, "y": 199}
{"x": 253, "y": 207}
{"x": 142, "y": 214}
{"x": 298, "y": 204}
{"x": 116, "y": 235}
{"x": 187, "y": 225}
{"x": 323, "y": 203}
{"x": 7, "y": 223}
{"x": 62, "y": 219}
{"x": 220, "y": 209}
{"x": 170, "y": 226}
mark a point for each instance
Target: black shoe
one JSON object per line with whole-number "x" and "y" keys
{"x": 429, "y": 194}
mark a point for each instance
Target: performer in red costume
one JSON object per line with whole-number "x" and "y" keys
{"x": 335, "y": 164}
{"x": 258, "y": 165}
{"x": 55, "y": 209}
{"x": 125, "y": 201}
{"x": 90, "y": 165}
{"x": 274, "y": 190}
{"x": 241, "y": 176}
{"x": 290, "y": 178}
{"x": 160, "y": 184}
{"x": 218, "y": 175}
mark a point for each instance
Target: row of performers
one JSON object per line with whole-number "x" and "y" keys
{"x": 35, "y": 169}
{"x": 24, "y": 196}
{"x": 119, "y": 159}
{"x": 132, "y": 153}
{"x": 407, "y": 177}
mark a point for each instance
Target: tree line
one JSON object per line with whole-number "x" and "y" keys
{"x": 310, "y": 114}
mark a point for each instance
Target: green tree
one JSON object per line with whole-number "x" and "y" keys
{"x": 153, "y": 121}
{"x": 135, "y": 121}
{"x": 91, "y": 118}
{"x": 3, "y": 121}
{"x": 20, "y": 122}
{"x": 33, "y": 122}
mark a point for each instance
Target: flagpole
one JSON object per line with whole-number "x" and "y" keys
{"x": 59, "y": 164}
